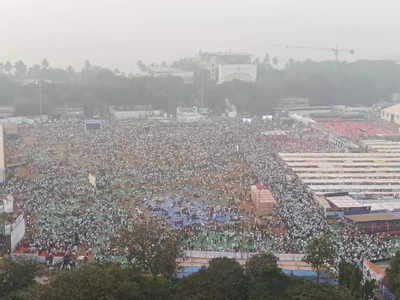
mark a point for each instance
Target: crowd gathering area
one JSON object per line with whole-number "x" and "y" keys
{"x": 192, "y": 178}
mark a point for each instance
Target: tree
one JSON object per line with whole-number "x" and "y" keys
{"x": 266, "y": 280}
{"x": 152, "y": 247}
{"x": 45, "y": 64}
{"x": 34, "y": 71}
{"x": 304, "y": 289}
{"x": 350, "y": 276}
{"x": 393, "y": 274}
{"x": 20, "y": 69}
{"x": 102, "y": 281}
{"x": 275, "y": 61}
{"x": 16, "y": 276}
{"x": 87, "y": 65}
{"x": 368, "y": 289}
{"x": 142, "y": 67}
{"x": 320, "y": 253}
{"x": 8, "y": 67}
{"x": 224, "y": 279}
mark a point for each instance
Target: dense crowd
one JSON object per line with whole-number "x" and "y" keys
{"x": 191, "y": 177}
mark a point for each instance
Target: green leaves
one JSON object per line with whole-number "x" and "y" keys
{"x": 224, "y": 279}
{"x": 393, "y": 274}
{"x": 152, "y": 248}
{"x": 103, "y": 282}
{"x": 16, "y": 276}
{"x": 320, "y": 252}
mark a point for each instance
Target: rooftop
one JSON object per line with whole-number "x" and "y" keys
{"x": 372, "y": 217}
{"x": 344, "y": 201}
{"x": 394, "y": 108}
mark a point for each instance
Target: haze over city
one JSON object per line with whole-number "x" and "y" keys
{"x": 117, "y": 33}
{"x": 196, "y": 150}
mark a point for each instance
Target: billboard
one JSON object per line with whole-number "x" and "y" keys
{"x": 17, "y": 231}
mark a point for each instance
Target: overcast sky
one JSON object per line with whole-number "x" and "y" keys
{"x": 117, "y": 33}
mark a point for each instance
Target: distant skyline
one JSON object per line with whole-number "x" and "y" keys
{"x": 117, "y": 33}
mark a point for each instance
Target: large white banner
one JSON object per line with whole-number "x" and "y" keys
{"x": 17, "y": 231}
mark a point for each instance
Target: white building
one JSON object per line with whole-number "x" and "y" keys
{"x": 137, "y": 112}
{"x": 164, "y": 71}
{"x": 70, "y": 112}
{"x": 227, "y": 66}
{"x": 242, "y": 72}
{"x": 391, "y": 114}
{"x": 6, "y": 111}
{"x": 189, "y": 115}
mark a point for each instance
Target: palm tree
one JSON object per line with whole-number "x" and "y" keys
{"x": 45, "y": 64}
{"x": 8, "y": 67}
{"x": 34, "y": 71}
{"x": 275, "y": 61}
{"x": 71, "y": 72}
{"x": 88, "y": 65}
{"x": 20, "y": 69}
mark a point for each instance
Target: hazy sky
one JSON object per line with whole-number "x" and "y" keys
{"x": 116, "y": 33}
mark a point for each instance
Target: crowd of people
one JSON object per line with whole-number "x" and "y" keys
{"x": 192, "y": 177}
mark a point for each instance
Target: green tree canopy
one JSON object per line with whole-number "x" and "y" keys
{"x": 102, "y": 282}
{"x": 224, "y": 279}
{"x": 152, "y": 247}
{"x": 16, "y": 276}
{"x": 320, "y": 253}
{"x": 266, "y": 280}
{"x": 393, "y": 274}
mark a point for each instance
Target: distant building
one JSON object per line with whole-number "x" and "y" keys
{"x": 243, "y": 72}
{"x": 226, "y": 66}
{"x": 135, "y": 112}
{"x": 189, "y": 114}
{"x": 391, "y": 114}
{"x": 70, "y": 112}
{"x": 164, "y": 71}
{"x": 376, "y": 222}
{"x": 292, "y": 103}
{"x": 347, "y": 205}
{"x": 6, "y": 111}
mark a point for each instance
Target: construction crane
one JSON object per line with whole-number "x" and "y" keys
{"x": 336, "y": 51}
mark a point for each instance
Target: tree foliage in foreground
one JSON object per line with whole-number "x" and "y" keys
{"x": 16, "y": 276}
{"x": 320, "y": 254}
{"x": 266, "y": 280}
{"x": 393, "y": 275}
{"x": 260, "y": 279}
{"x": 103, "y": 282}
{"x": 351, "y": 277}
{"x": 224, "y": 279}
{"x": 152, "y": 247}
